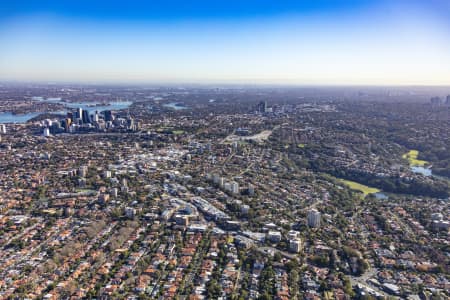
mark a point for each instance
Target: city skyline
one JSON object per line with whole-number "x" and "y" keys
{"x": 297, "y": 42}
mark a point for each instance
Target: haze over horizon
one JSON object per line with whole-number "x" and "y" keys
{"x": 297, "y": 42}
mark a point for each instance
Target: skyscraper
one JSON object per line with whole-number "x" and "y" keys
{"x": 130, "y": 123}
{"x": 46, "y": 132}
{"x": 108, "y": 116}
{"x": 67, "y": 124}
{"x": 85, "y": 116}
{"x": 436, "y": 101}
{"x": 79, "y": 113}
{"x": 96, "y": 118}
{"x": 262, "y": 107}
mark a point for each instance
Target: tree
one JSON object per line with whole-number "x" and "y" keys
{"x": 348, "y": 287}
{"x": 292, "y": 265}
{"x": 277, "y": 256}
{"x": 214, "y": 290}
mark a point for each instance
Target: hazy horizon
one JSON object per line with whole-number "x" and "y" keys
{"x": 300, "y": 43}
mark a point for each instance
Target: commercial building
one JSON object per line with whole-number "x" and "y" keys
{"x": 46, "y": 132}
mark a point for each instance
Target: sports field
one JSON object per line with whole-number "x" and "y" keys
{"x": 411, "y": 156}
{"x": 360, "y": 187}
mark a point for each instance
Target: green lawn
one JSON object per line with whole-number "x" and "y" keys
{"x": 411, "y": 156}
{"x": 360, "y": 187}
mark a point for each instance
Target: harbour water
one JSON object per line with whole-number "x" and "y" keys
{"x": 175, "y": 105}
{"x": 8, "y": 117}
{"x": 381, "y": 196}
{"x": 422, "y": 170}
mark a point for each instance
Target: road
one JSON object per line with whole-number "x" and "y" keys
{"x": 363, "y": 280}
{"x": 267, "y": 250}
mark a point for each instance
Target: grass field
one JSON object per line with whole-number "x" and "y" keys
{"x": 360, "y": 187}
{"x": 411, "y": 156}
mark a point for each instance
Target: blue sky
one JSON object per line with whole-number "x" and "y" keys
{"x": 288, "y": 42}
{"x": 174, "y": 9}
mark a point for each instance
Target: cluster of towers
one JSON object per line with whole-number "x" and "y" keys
{"x": 438, "y": 101}
{"x": 82, "y": 120}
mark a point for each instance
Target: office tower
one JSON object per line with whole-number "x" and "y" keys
{"x": 96, "y": 117}
{"x": 262, "y": 107}
{"x": 85, "y": 117}
{"x": 108, "y": 116}
{"x": 448, "y": 100}
{"x": 48, "y": 122}
{"x": 72, "y": 128}
{"x": 79, "y": 113}
{"x": 3, "y": 128}
{"x": 68, "y": 123}
{"x": 436, "y": 101}
{"x": 313, "y": 218}
{"x": 46, "y": 132}
{"x": 130, "y": 123}
{"x": 56, "y": 127}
